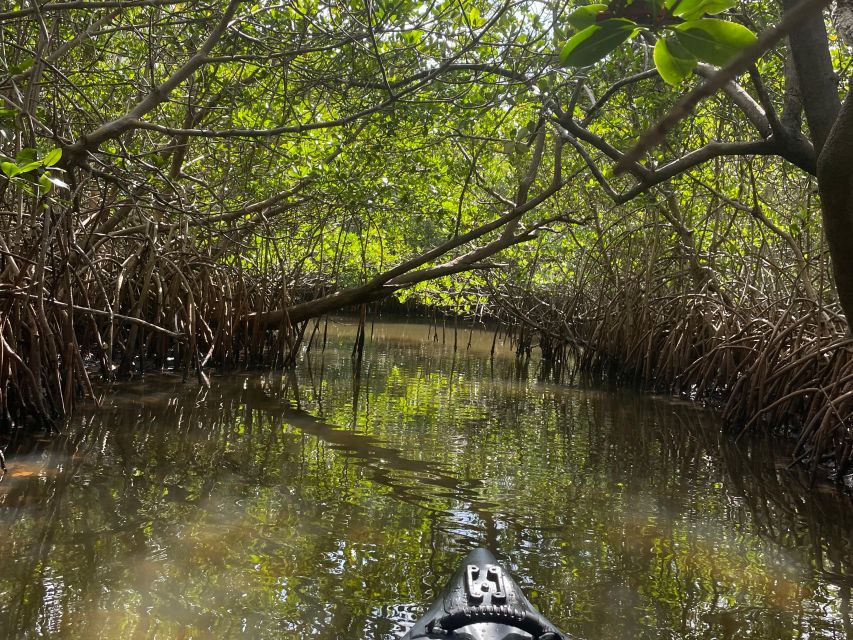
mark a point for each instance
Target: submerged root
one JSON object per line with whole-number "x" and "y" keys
{"x": 69, "y": 310}
{"x": 777, "y": 365}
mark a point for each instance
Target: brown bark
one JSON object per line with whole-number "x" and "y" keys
{"x": 831, "y": 130}
{"x": 817, "y": 80}
{"x": 842, "y": 18}
{"x": 835, "y": 180}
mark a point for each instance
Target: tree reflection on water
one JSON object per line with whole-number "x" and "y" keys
{"x": 267, "y": 506}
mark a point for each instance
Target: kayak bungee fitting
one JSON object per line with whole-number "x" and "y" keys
{"x": 483, "y": 602}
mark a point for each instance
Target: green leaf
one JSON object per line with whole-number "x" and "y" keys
{"x": 693, "y": 9}
{"x": 53, "y": 156}
{"x": 714, "y": 41}
{"x": 45, "y": 183}
{"x": 593, "y": 43}
{"x": 30, "y": 166}
{"x": 25, "y": 156}
{"x": 9, "y": 168}
{"x": 673, "y": 62}
{"x": 585, "y": 16}
{"x": 22, "y": 66}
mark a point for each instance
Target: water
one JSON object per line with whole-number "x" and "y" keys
{"x": 275, "y": 506}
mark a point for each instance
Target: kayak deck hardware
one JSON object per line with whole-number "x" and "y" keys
{"x": 479, "y": 591}
{"x": 482, "y": 602}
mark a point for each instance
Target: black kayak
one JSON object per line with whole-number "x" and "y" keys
{"x": 483, "y": 602}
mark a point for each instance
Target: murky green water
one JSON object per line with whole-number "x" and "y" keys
{"x": 277, "y": 507}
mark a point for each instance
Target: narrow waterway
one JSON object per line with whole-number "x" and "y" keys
{"x": 316, "y": 506}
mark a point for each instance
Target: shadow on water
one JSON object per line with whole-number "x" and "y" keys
{"x": 318, "y": 506}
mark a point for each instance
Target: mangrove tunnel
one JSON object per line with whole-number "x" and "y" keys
{"x": 301, "y": 301}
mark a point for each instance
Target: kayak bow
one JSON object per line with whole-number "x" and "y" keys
{"x": 483, "y": 602}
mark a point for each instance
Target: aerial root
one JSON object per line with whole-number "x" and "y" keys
{"x": 777, "y": 364}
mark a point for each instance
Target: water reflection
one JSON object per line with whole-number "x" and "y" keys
{"x": 281, "y": 506}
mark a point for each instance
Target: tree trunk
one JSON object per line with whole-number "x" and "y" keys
{"x": 831, "y": 130}
{"x": 835, "y": 180}
{"x": 817, "y": 79}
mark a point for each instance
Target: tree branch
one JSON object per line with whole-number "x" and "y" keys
{"x": 613, "y": 89}
{"x": 160, "y": 93}
{"x": 409, "y": 272}
{"x": 88, "y": 5}
{"x": 132, "y": 120}
{"x": 745, "y": 102}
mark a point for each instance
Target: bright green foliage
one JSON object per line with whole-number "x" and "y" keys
{"x": 27, "y": 169}
{"x": 714, "y": 41}
{"x": 673, "y": 61}
{"x": 689, "y": 37}
{"x": 586, "y": 16}
{"x": 693, "y": 9}
{"x": 596, "y": 41}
